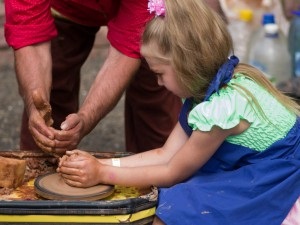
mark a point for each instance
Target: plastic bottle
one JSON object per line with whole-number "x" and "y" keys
{"x": 270, "y": 54}
{"x": 294, "y": 43}
{"x": 258, "y": 34}
{"x": 240, "y": 30}
{"x": 260, "y": 31}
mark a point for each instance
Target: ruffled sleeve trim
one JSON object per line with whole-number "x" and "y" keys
{"x": 224, "y": 109}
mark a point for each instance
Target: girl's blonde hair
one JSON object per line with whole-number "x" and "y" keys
{"x": 194, "y": 40}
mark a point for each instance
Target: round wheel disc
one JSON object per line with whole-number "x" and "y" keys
{"x": 52, "y": 186}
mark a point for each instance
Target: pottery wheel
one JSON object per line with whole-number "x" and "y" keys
{"x": 52, "y": 186}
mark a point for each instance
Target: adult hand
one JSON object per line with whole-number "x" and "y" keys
{"x": 70, "y": 134}
{"x": 43, "y": 107}
{"x": 40, "y": 122}
{"x": 60, "y": 140}
{"x": 79, "y": 169}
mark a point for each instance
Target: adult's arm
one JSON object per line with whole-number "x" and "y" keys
{"x": 105, "y": 92}
{"x": 108, "y": 87}
{"x": 29, "y": 28}
{"x": 33, "y": 71}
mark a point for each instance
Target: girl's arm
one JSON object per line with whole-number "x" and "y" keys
{"x": 192, "y": 156}
{"x": 157, "y": 156}
{"x": 177, "y": 164}
{"x": 82, "y": 168}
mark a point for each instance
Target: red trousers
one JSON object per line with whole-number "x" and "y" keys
{"x": 150, "y": 110}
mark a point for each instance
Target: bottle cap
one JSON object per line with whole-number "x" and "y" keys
{"x": 268, "y": 18}
{"x": 271, "y": 28}
{"x": 246, "y": 15}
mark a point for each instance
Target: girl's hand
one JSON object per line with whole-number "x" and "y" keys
{"x": 79, "y": 169}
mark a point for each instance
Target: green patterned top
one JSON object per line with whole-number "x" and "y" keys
{"x": 226, "y": 108}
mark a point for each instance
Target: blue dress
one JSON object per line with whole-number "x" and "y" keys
{"x": 253, "y": 178}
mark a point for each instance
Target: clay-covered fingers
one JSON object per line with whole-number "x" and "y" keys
{"x": 68, "y": 157}
{"x": 40, "y": 121}
{"x": 67, "y": 140}
{"x": 43, "y": 107}
{"x": 42, "y": 134}
{"x": 73, "y": 121}
{"x": 70, "y": 134}
{"x": 43, "y": 147}
{"x": 71, "y": 176}
{"x": 72, "y": 180}
{"x": 77, "y": 155}
{"x": 79, "y": 168}
{"x": 73, "y": 156}
{"x": 70, "y": 170}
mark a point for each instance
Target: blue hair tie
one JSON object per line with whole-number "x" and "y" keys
{"x": 223, "y": 76}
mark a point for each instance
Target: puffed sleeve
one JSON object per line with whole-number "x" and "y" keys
{"x": 224, "y": 109}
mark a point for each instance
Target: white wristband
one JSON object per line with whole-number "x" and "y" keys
{"x": 116, "y": 162}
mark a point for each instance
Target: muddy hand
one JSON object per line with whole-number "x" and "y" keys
{"x": 43, "y": 107}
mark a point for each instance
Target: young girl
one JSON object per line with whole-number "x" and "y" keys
{"x": 234, "y": 156}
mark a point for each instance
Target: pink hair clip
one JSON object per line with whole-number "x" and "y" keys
{"x": 157, "y": 6}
